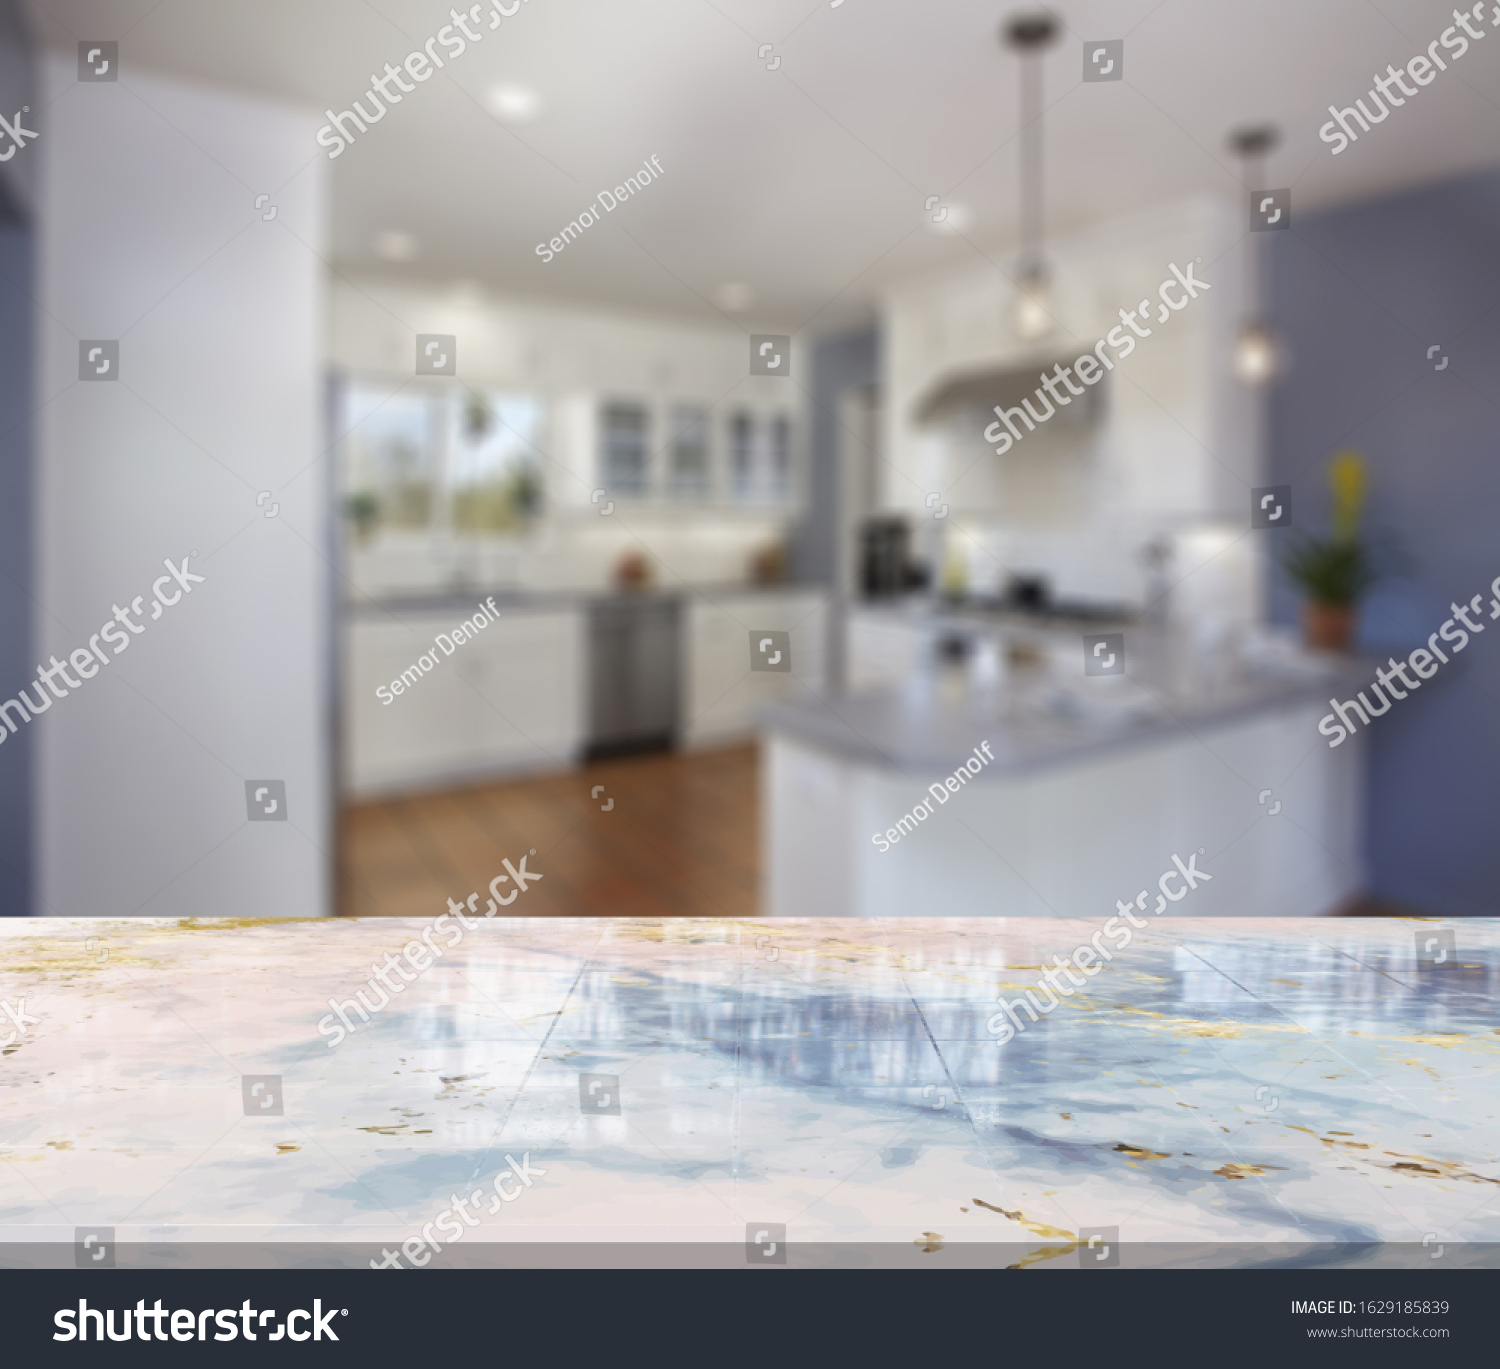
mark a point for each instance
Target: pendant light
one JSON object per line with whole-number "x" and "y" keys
{"x": 1028, "y": 36}
{"x": 1257, "y": 356}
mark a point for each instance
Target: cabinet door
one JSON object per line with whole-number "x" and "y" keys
{"x": 507, "y": 699}
{"x": 527, "y": 679}
{"x": 724, "y": 696}
{"x": 424, "y": 730}
{"x": 883, "y": 650}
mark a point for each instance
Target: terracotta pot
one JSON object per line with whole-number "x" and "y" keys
{"x": 1328, "y": 627}
{"x": 632, "y": 571}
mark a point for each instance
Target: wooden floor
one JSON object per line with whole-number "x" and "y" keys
{"x": 682, "y": 840}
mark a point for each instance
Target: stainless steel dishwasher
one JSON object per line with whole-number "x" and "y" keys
{"x": 634, "y": 672}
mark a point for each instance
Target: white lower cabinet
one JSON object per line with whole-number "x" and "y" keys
{"x": 510, "y": 699}
{"x": 884, "y": 648}
{"x": 722, "y": 696}
{"x": 514, "y": 698}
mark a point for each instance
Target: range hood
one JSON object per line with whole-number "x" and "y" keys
{"x": 967, "y": 393}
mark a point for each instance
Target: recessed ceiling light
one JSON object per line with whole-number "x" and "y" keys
{"x": 467, "y": 292}
{"x": 513, "y": 104}
{"x": 394, "y": 245}
{"x": 733, "y": 296}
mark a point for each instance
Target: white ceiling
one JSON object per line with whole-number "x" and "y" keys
{"x": 806, "y": 183}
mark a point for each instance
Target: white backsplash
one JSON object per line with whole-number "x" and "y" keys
{"x": 1213, "y": 570}
{"x": 567, "y": 555}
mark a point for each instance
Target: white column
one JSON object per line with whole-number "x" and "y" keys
{"x": 149, "y": 233}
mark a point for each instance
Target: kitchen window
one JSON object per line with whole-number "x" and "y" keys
{"x": 390, "y": 460}
{"x": 466, "y": 461}
{"x": 494, "y": 481}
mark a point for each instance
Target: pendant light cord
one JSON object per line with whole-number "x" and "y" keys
{"x": 1031, "y": 162}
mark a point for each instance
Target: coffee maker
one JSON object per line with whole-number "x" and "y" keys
{"x": 885, "y": 557}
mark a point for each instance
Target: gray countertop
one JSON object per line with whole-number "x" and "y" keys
{"x": 1036, "y": 720}
{"x": 466, "y": 599}
{"x": 934, "y": 611}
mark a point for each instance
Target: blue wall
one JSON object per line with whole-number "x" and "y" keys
{"x": 16, "y": 658}
{"x": 17, "y": 662}
{"x": 1359, "y": 295}
{"x": 848, "y": 361}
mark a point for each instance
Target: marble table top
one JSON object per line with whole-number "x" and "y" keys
{"x": 1255, "y": 1092}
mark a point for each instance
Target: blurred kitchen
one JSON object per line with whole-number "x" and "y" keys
{"x": 802, "y": 404}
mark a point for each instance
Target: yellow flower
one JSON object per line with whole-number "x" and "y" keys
{"x": 1346, "y": 478}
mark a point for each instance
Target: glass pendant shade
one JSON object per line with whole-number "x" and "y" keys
{"x": 1032, "y": 312}
{"x": 1257, "y": 358}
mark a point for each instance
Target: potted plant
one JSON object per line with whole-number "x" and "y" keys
{"x": 1335, "y": 570}
{"x": 363, "y": 510}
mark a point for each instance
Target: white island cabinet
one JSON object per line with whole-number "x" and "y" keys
{"x": 510, "y": 699}
{"x": 1071, "y": 804}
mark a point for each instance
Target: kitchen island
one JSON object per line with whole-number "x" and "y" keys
{"x": 1078, "y": 794}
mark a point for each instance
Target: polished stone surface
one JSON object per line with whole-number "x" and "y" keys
{"x": 1247, "y": 1092}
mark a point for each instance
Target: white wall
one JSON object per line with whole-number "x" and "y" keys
{"x": 148, "y": 233}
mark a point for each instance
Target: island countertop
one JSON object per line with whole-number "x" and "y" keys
{"x": 1037, "y": 719}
